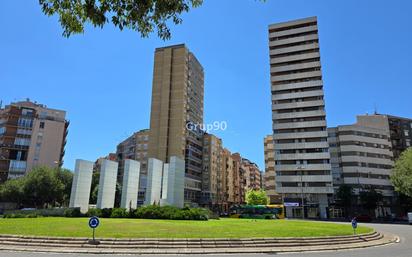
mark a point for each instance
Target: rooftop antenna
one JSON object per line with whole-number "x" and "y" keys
{"x": 1, "y": 104}
{"x": 375, "y": 108}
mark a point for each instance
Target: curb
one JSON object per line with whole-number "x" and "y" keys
{"x": 195, "y": 246}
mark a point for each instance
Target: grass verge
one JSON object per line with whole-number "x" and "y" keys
{"x": 143, "y": 228}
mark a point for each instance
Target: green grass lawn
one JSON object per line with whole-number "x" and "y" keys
{"x": 142, "y": 228}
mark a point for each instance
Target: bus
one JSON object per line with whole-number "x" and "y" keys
{"x": 272, "y": 211}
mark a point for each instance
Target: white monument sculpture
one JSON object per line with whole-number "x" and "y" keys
{"x": 82, "y": 181}
{"x": 107, "y": 184}
{"x": 174, "y": 182}
{"x": 130, "y": 187}
{"x": 154, "y": 181}
{"x": 165, "y": 182}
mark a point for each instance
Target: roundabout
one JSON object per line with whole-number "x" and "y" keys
{"x": 225, "y": 236}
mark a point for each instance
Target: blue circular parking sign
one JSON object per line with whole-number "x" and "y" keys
{"x": 94, "y": 222}
{"x": 354, "y": 223}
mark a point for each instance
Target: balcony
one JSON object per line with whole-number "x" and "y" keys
{"x": 295, "y": 57}
{"x": 298, "y": 75}
{"x": 286, "y": 96}
{"x": 302, "y": 156}
{"x": 293, "y": 31}
{"x": 293, "y": 40}
{"x": 309, "y": 145}
{"x": 304, "y": 178}
{"x": 302, "y": 124}
{"x": 294, "y": 135}
{"x": 292, "y": 49}
{"x": 308, "y": 167}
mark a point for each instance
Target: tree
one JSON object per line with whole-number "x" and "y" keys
{"x": 41, "y": 187}
{"x": 66, "y": 177}
{"x": 255, "y": 197}
{"x": 12, "y": 191}
{"x": 370, "y": 198}
{"x": 143, "y": 16}
{"x": 402, "y": 173}
{"x": 344, "y": 196}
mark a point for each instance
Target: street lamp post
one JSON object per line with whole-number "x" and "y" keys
{"x": 301, "y": 168}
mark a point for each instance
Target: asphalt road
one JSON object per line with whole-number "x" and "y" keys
{"x": 401, "y": 249}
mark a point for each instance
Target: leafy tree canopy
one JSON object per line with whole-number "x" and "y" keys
{"x": 40, "y": 187}
{"x": 402, "y": 173}
{"x": 257, "y": 197}
{"x": 144, "y": 16}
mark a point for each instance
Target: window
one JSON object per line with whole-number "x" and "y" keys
{"x": 2, "y": 130}
{"x": 42, "y": 125}
{"x": 24, "y": 122}
{"x": 22, "y": 141}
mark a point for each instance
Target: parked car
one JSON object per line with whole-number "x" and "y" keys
{"x": 364, "y": 218}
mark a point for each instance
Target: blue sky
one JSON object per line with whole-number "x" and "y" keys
{"x": 103, "y": 78}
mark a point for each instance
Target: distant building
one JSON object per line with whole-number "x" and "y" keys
{"x": 252, "y": 175}
{"x": 361, "y": 157}
{"x": 400, "y": 133}
{"x": 135, "y": 148}
{"x": 177, "y": 104}
{"x": 211, "y": 180}
{"x": 269, "y": 182}
{"x": 31, "y": 135}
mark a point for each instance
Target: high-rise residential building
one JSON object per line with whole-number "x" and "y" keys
{"x": 361, "y": 157}
{"x": 30, "y": 135}
{"x": 135, "y": 148}
{"x": 177, "y": 112}
{"x": 269, "y": 182}
{"x": 303, "y": 172}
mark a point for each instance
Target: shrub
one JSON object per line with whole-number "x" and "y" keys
{"x": 94, "y": 212}
{"x": 119, "y": 213}
{"x": 106, "y": 212}
{"x": 170, "y": 212}
{"x": 72, "y": 212}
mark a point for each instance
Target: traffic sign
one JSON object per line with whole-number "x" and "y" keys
{"x": 94, "y": 222}
{"x": 354, "y": 223}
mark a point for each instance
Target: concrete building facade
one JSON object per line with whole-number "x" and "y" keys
{"x": 31, "y": 135}
{"x": 177, "y": 105}
{"x": 361, "y": 157}
{"x": 82, "y": 180}
{"x": 302, "y": 161}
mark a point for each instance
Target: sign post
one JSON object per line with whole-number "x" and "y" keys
{"x": 354, "y": 225}
{"x": 94, "y": 223}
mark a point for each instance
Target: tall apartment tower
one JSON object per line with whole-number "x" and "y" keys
{"x": 30, "y": 135}
{"x": 177, "y": 103}
{"x": 303, "y": 171}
